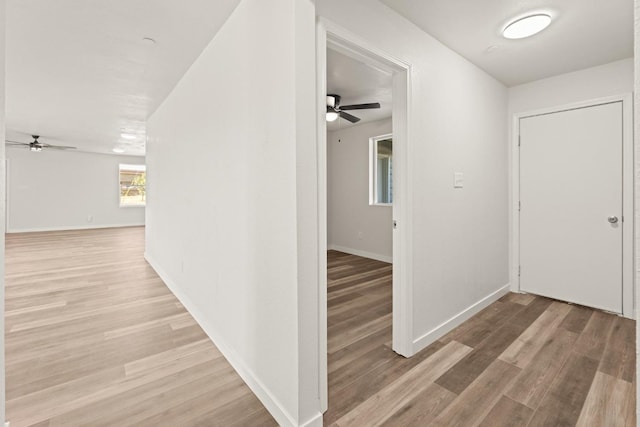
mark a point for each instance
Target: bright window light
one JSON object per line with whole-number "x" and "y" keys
{"x": 133, "y": 182}
{"x": 381, "y": 170}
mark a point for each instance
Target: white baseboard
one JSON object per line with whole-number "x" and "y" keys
{"x": 270, "y": 402}
{"x": 71, "y": 227}
{"x": 358, "y": 252}
{"x": 444, "y": 328}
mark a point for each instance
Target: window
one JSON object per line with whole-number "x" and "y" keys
{"x": 381, "y": 170}
{"x": 133, "y": 179}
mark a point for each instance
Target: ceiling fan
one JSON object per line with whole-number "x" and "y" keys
{"x": 38, "y": 146}
{"x": 335, "y": 110}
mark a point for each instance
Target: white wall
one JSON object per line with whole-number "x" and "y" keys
{"x": 59, "y": 190}
{"x": 458, "y": 123}
{"x": 2, "y": 201}
{"x": 232, "y": 200}
{"x": 348, "y": 209}
{"x": 605, "y": 80}
{"x": 636, "y": 219}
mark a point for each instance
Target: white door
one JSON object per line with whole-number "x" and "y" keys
{"x": 571, "y": 205}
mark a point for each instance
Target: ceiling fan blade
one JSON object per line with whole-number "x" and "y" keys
{"x": 7, "y": 142}
{"x": 349, "y": 117}
{"x": 58, "y": 147}
{"x": 360, "y": 106}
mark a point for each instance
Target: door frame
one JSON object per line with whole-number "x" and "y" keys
{"x": 628, "y": 306}
{"x": 331, "y": 35}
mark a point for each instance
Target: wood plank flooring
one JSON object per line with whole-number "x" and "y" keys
{"x": 523, "y": 361}
{"x": 95, "y": 338}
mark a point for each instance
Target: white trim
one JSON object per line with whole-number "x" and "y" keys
{"x": 315, "y": 421}
{"x": 358, "y": 252}
{"x": 403, "y": 334}
{"x": 321, "y": 144}
{"x": 338, "y": 38}
{"x": 444, "y": 328}
{"x": 628, "y": 214}
{"x": 270, "y": 402}
{"x": 7, "y": 186}
{"x": 628, "y": 303}
{"x": 71, "y": 227}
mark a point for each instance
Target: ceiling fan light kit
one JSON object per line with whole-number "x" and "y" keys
{"x": 332, "y": 115}
{"x": 37, "y": 146}
{"x": 335, "y": 110}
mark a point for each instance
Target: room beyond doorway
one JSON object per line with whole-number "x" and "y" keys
{"x": 334, "y": 37}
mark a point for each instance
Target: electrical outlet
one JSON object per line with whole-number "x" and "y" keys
{"x": 89, "y": 218}
{"x": 360, "y": 235}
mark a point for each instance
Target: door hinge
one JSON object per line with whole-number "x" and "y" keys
{"x": 519, "y": 270}
{"x": 519, "y": 206}
{"x": 519, "y": 141}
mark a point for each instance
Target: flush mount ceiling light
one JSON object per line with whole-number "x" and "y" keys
{"x": 118, "y": 150}
{"x": 128, "y": 136}
{"x": 527, "y": 26}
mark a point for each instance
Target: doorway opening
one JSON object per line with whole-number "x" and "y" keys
{"x": 333, "y": 40}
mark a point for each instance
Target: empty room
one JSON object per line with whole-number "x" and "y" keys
{"x": 318, "y": 212}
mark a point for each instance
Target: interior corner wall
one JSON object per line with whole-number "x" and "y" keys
{"x": 66, "y": 190}
{"x": 353, "y": 225}
{"x": 457, "y": 123}
{"x": 223, "y": 211}
{"x": 3, "y": 8}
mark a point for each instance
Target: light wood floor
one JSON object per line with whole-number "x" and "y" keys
{"x": 94, "y": 338}
{"x": 523, "y": 361}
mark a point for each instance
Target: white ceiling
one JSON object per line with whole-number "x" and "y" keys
{"x": 357, "y": 83}
{"x": 79, "y": 72}
{"x": 583, "y": 33}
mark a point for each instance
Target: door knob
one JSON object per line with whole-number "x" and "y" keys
{"x": 612, "y": 219}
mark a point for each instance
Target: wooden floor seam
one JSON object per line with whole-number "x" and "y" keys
{"x": 531, "y": 361}
{"x": 94, "y": 338}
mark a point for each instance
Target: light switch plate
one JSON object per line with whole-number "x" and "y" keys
{"x": 458, "y": 180}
